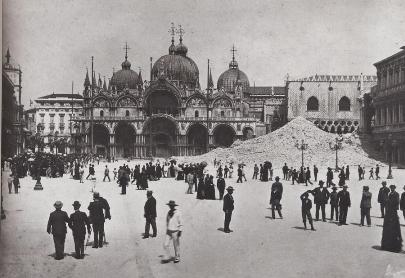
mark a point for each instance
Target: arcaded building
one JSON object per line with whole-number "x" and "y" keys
{"x": 329, "y": 101}
{"x": 170, "y": 114}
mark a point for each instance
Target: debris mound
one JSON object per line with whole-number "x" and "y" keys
{"x": 279, "y": 147}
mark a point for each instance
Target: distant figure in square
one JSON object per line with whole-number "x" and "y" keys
{"x": 275, "y": 198}
{"x": 306, "y": 210}
{"x": 365, "y": 206}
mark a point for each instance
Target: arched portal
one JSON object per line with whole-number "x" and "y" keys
{"x": 101, "y": 140}
{"x": 162, "y": 102}
{"x": 197, "y": 136}
{"x": 160, "y": 137}
{"x": 125, "y": 138}
{"x": 224, "y": 135}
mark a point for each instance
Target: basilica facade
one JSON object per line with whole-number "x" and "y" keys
{"x": 170, "y": 114}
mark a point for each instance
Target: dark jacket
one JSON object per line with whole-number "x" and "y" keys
{"x": 366, "y": 200}
{"x": 150, "y": 208}
{"x": 240, "y": 172}
{"x": 276, "y": 191}
{"x": 344, "y": 199}
{"x": 402, "y": 202}
{"x": 383, "y": 195}
{"x": 221, "y": 184}
{"x": 321, "y": 195}
{"x": 57, "y": 222}
{"x": 106, "y": 208}
{"x": 228, "y": 203}
{"x": 78, "y": 223}
{"x": 96, "y": 209}
{"x": 393, "y": 201}
{"x": 334, "y": 199}
{"x": 306, "y": 204}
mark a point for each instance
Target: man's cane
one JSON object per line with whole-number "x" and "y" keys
{"x": 104, "y": 238}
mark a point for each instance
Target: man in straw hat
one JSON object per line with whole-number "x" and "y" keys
{"x": 78, "y": 223}
{"x": 173, "y": 232}
{"x": 321, "y": 197}
{"x": 344, "y": 204}
{"x": 57, "y": 226}
{"x": 150, "y": 214}
{"x": 228, "y": 208}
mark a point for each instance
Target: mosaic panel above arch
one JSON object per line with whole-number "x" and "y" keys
{"x": 126, "y": 102}
{"x": 101, "y": 102}
{"x": 196, "y": 102}
{"x": 222, "y": 103}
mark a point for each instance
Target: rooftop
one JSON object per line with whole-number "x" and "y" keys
{"x": 337, "y": 78}
{"x": 55, "y": 96}
{"x": 267, "y": 90}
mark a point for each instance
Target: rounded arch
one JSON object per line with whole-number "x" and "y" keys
{"x": 339, "y": 129}
{"x": 346, "y": 129}
{"x": 312, "y": 104}
{"x": 160, "y": 135}
{"x": 197, "y": 138}
{"x": 101, "y": 101}
{"x": 224, "y": 135}
{"x": 125, "y": 138}
{"x": 126, "y": 101}
{"x": 101, "y": 139}
{"x": 162, "y": 98}
{"x": 344, "y": 104}
{"x": 332, "y": 129}
{"x": 248, "y": 133}
{"x": 222, "y": 102}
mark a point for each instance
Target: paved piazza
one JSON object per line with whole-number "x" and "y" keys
{"x": 258, "y": 247}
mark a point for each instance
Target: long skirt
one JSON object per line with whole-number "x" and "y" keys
{"x": 391, "y": 237}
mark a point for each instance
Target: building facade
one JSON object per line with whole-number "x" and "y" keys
{"x": 388, "y": 98}
{"x": 52, "y": 119}
{"x": 12, "y": 110}
{"x": 170, "y": 114}
{"x": 329, "y": 101}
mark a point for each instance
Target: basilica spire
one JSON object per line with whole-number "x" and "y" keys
{"x": 172, "y": 32}
{"x": 87, "y": 79}
{"x": 8, "y": 56}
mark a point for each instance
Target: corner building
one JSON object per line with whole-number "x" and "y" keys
{"x": 169, "y": 115}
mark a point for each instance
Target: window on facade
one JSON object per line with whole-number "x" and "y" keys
{"x": 52, "y": 118}
{"x": 101, "y": 113}
{"x": 196, "y": 114}
{"x": 222, "y": 113}
{"x": 127, "y": 113}
{"x": 312, "y": 104}
{"x": 344, "y": 104}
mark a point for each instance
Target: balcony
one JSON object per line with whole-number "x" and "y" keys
{"x": 177, "y": 118}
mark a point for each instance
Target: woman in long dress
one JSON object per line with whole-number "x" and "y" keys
{"x": 391, "y": 237}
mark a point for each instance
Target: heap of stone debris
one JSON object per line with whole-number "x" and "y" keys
{"x": 280, "y": 147}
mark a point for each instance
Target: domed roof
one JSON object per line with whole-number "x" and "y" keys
{"x": 176, "y": 66}
{"x": 125, "y": 77}
{"x": 230, "y": 77}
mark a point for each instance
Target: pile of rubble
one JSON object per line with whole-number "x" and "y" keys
{"x": 280, "y": 147}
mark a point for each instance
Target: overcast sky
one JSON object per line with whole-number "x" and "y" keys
{"x": 53, "y": 40}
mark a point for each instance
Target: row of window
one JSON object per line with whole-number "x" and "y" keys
{"x": 313, "y": 104}
{"x": 390, "y": 115}
{"x": 392, "y": 78}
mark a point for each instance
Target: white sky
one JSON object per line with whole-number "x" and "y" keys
{"x": 53, "y": 40}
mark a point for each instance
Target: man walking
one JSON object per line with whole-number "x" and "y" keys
{"x": 344, "y": 204}
{"x": 347, "y": 172}
{"x": 383, "y": 197}
{"x": 96, "y": 209}
{"x": 106, "y": 173}
{"x": 240, "y": 173}
{"x": 275, "y": 198}
{"x": 306, "y": 210}
{"x": 365, "y": 206}
{"x": 221, "y": 187}
{"x": 285, "y": 171}
{"x": 57, "y": 226}
{"x": 228, "y": 208}
{"x": 173, "y": 232}
{"x": 150, "y": 214}
{"x": 308, "y": 177}
{"x": 321, "y": 197}
{"x": 255, "y": 172}
{"x": 377, "y": 172}
{"x": 315, "y": 173}
{"x": 78, "y": 223}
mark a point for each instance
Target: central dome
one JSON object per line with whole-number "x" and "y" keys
{"x": 176, "y": 66}
{"x": 125, "y": 77}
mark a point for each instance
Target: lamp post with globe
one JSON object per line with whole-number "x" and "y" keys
{"x": 337, "y": 145}
{"x": 301, "y": 146}
{"x": 389, "y": 144}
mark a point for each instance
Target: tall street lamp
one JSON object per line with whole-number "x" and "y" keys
{"x": 389, "y": 145}
{"x": 301, "y": 146}
{"x": 336, "y": 146}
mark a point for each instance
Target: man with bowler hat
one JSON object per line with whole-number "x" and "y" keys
{"x": 173, "y": 232}
{"x": 78, "y": 223}
{"x": 57, "y": 226}
{"x": 334, "y": 202}
{"x": 150, "y": 214}
{"x": 321, "y": 197}
{"x": 344, "y": 204}
{"x": 365, "y": 206}
{"x": 228, "y": 208}
{"x": 275, "y": 198}
{"x": 383, "y": 197}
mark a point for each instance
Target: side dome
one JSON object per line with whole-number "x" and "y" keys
{"x": 125, "y": 77}
{"x": 177, "y": 68}
{"x": 230, "y": 78}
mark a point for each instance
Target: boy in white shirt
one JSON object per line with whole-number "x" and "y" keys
{"x": 173, "y": 232}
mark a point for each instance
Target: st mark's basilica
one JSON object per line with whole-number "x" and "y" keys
{"x": 170, "y": 114}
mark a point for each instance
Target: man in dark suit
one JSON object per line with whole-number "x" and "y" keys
{"x": 78, "y": 223}
{"x": 316, "y": 172}
{"x": 321, "y": 197}
{"x": 228, "y": 208}
{"x": 275, "y": 198}
{"x": 240, "y": 174}
{"x": 57, "y": 226}
{"x": 150, "y": 214}
{"x": 383, "y": 197}
{"x": 365, "y": 206}
{"x": 334, "y": 202}
{"x": 306, "y": 205}
{"x": 221, "y": 187}
{"x": 344, "y": 204}
{"x": 96, "y": 209}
